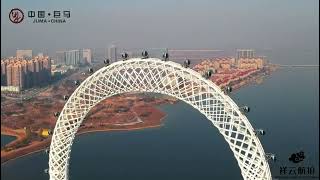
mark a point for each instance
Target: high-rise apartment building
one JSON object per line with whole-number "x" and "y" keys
{"x": 87, "y": 56}
{"x": 112, "y": 53}
{"x": 17, "y": 77}
{"x": 74, "y": 57}
{"x": 60, "y": 58}
{"x": 245, "y": 53}
{"x": 9, "y": 74}
{"x": 3, "y": 73}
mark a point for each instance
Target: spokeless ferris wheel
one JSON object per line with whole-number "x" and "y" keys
{"x": 165, "y": 77}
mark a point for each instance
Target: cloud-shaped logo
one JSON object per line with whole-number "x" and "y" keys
{"x": 297, "y": 157}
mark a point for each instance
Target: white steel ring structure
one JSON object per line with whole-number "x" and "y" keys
{"x": 164, "y": 77}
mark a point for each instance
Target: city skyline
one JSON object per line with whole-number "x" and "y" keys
{"x": 201, "y": 24}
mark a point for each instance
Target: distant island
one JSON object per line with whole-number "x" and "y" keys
{"x": 30, "y": 119}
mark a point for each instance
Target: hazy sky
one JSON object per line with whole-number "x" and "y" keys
{"x": 223, "y": 24}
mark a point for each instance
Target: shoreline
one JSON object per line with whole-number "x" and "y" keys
{"x": 10, "y": 132}
{"x": 33, "y": 152}
{"x": 82, "y": 133}
{"x": 249, "y": 81}
{"x": 122, "y": 129}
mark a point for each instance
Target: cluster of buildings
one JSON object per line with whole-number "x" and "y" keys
{"x": 26, "y": 71}
{"x": 22, "y": 72}
{"x": 218, "y": 64}
{"x": 245, "y": 60}
{"x": 73, "y": 57}
{"x": 229, "y": 69}
{"x": 253, "y": 63}
{"x": 221, "y": 64}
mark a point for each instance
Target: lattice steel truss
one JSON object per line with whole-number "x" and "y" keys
{"x": 165, "y": 77}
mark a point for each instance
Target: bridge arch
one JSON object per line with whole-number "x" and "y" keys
{"x": 164, "y": 77}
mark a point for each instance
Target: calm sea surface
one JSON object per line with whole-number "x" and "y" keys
{"x": 6, "y": 139}
{"x": 188, "y": 146}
